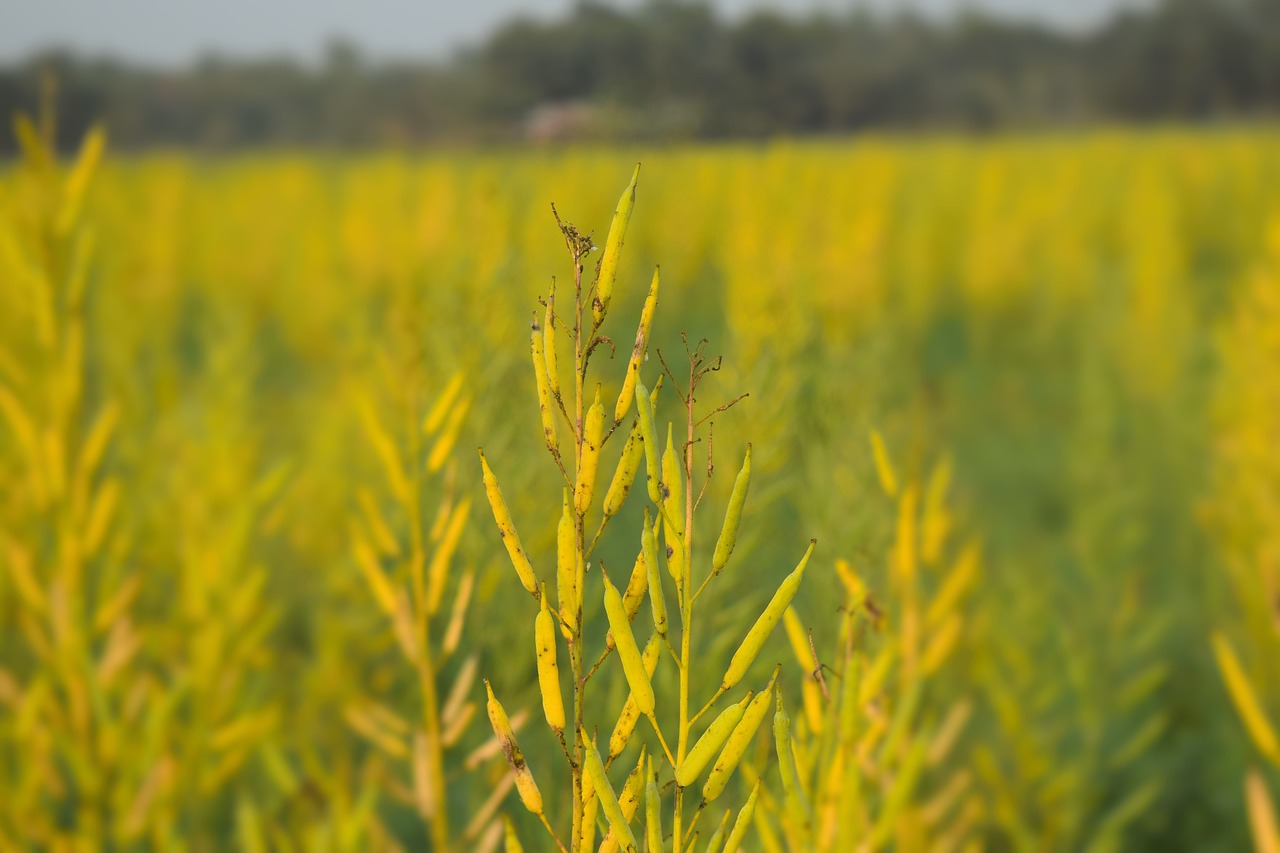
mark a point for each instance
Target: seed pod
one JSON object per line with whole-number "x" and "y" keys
{"x": 511, "y": 840}
{"x": 794, "y": 797}
{"x": 507, "y": 530}
{"x": 625, "y": 474}
{"x": 649, "y": 549}
{"x": 608, "y": 269}
{"x": 590, "y": 810}
{"x": 740, "y": 826}
{"x": 637, "y": 352}
{"x": 637, "y": 586}
{"x": 652, "y": 811}
{"x": 672, "y": 486}
{"x": 884, "y": 467}
{"x": 525, "y": 786}
{"x": 732, "y": 517}
{"x": 644, "y": 408}
{"x": 549, "y": 342}
{"x": 618, "y": 825}
{"x": 716, "y": 841}
{"x": 675, "y": 557}
{"x": 760, "y": 631}
{"x": 545, "y": 409}
{"x": 628, "y": 801}
{"x": 544, "y": 632}
{"x": 630, "y": 713}
{"x": 628, "y": 652}
{"x": 567, "y": 567}
{"x": 712, "y": 739}
{"x": 592, "y": 435}
{"x": 739, "y": 740}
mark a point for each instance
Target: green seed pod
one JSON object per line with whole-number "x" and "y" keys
{"x": 628, "y": 801}
{"x": 712, "y": 739}
{"x": 644, "y": 408}
{"x": 649, "y": 549}
{"x": 740, "y": 826}
{"x": 652, "y": 811}
{"x": 672, "y": 483}
{"x": 717, "y": 839}
{"x": 752, "y": 643}
{"x": 794, "y": 797}
{"x": 628, "y": 651}
{"x": 732, "y": 516}
{"x": 618, "y": 825}
{"x": 608, "y": 269}
{"x": 637, "y": 352}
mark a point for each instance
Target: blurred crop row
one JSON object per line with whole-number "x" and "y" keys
{"x": 247, "y": 587}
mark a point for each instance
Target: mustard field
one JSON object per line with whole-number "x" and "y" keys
{"x": 259, "y": 591}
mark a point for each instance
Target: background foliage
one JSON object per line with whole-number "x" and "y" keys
{"x": 1081, "y": 322}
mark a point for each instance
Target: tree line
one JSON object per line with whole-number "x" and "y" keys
{"x": 673, "y": 69}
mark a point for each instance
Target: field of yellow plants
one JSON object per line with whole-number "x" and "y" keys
{"x": 259, "y": 591}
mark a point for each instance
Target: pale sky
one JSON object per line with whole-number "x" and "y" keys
{"x": 174, "y": 32}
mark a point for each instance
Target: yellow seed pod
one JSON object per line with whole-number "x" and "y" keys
{"x": 649, "y": 550}
{"x": 799, "y": 640}
{"x": 884, "y": 467}
{"x": 672, "y": 486}
{"x": 958, "y": 581}
{"x": 630, "y": 714}
{"x": 675, "y": 558}
{"x": 567, "y": 592}
{"x": 736, "y": 745}
{"x": 652, "y": 810}
{"x": 544, "y": 633}
{"x": 625, "y": 474}
{"x": 1245, "y": 699}
{"x": 590, "y": 809}
{"x": 942, "y": 644}
{"x": 607, "y": 271}
{"x": 618, "y": 824}
{"x": 628, "y": 651}
{"x": 545, "y": 409}
{"x": 732, "y": 517}
{"x": 549, "y": 342}
{"x": 525, "y": 786}
{"x": 637, "y": 586}
{"x": 438, "y": 570}
{"x": 628, "y": 801}
{"x": 637, "y": 352}
{"x": 649, "y": 432}
{"x": 511, "y": 840}
{"x": 712, "y": 739}
{"x": 752, "y": 643}
{"x": 592, "y": 435}
{"x": 507, "y": 530}
{"x": 740, "y": 826}
{"x": 811, "y": 693}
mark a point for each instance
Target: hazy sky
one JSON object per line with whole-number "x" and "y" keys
{"x": 175, "y": 31}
